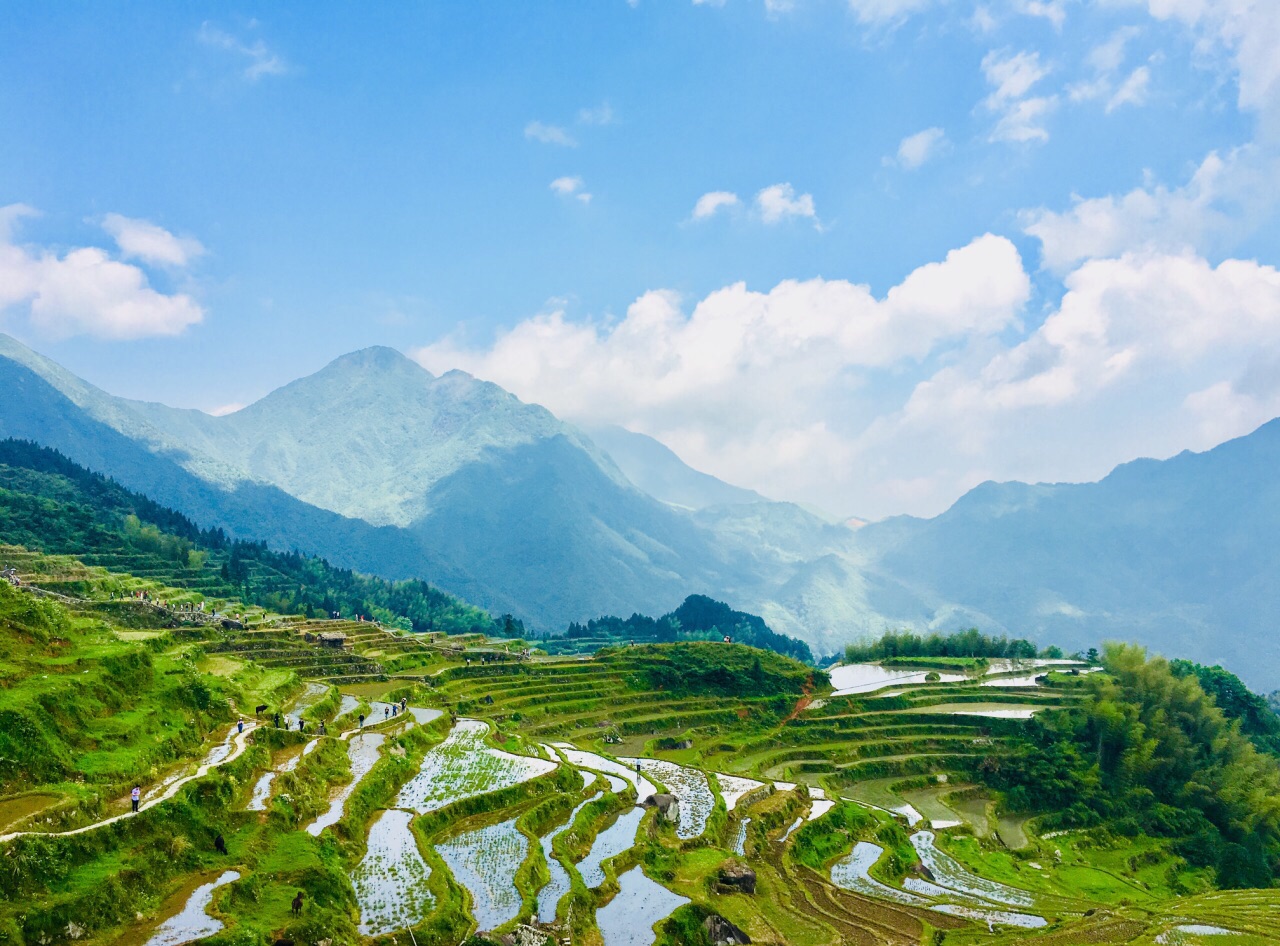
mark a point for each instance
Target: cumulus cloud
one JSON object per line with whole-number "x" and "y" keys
{"x": 752, "y": 385}
{"x": 915, "y": 150}
{"x": 1020, "y": 116}
{"x": 1138, "y": 356}
{"x": 146, "y": 241}
{"x": 1133, "y": 91}
{"x": 259, "y": 60}
{"x": 712, "y": 202}
{"x": 779, "y": 202}
{"x": 1223, "y": 196}
{"x": 571, "y": 187}
{"x": 549, "y": 134}
{"x": 84, "y": 291}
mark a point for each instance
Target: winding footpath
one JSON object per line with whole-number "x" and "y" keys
{"x": 238, "y": 745}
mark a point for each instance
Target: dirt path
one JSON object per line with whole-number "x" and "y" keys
{"x": 239, "y": 743}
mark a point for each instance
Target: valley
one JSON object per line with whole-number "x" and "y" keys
{"x": 520, "y": 794}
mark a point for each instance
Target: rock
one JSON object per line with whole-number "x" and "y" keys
{"x": 75, "y": 930}
{"x": 668, "y": 806}
{"x": 531, "y": 936}
{"x": 723, "y": 933}
{"x": 736, "y": 878}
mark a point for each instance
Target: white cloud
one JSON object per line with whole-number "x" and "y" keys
{"x": 752, "y": 385}
{"x": 779, "y": 202}
{"x": 141, "y": 239}
{"x": 1055, "y": 11}
{"x": 1133, "y": 91}
{"x": 549, "y": 134}
{"x": 571, "y": 187}
{"x": 1012, "y": 76}
{"x": 885, "y": 11}
{"x": 1249, "y": 30}
{"x": 262, "y": 61}
{"x": 226, "y": 409}
{"x": 84, "y": 291}
{"x": 1135, "y": 361}
{"x": 915, "y": 150}
{"x": 708, "y": 204}
{"x": 601, "y": 114}
{"x": 1219, "y": 198}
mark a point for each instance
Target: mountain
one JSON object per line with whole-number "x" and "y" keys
{"x": 1180, "y": 554}
{"x": 656, "y": 469}
{"x": 378, "y": 465}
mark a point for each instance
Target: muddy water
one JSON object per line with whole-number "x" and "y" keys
{"x": 362, "y": 750}
{"x": 559, "y": 885}
{"x": 193, "y": 922}
{"x": 628, "y": 919}
{"x": 13, "y": 810}
{"x": 799, "y": 821}
{"x": 485, "y": 862}
{"x": 391, "y": 879}
{"x": 612, "y": 841}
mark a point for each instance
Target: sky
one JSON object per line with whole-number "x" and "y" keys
{"x": 863, "y": 254}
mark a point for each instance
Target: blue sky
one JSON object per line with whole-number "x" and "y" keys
{"x": 206, "y": 202}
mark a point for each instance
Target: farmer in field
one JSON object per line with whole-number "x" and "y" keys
{"x": 135, "y": 796}
{"x": 362, "y": 720}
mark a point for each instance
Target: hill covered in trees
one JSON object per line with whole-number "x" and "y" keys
{"x": 50, "y": 504}
{"x": 699, "y": 618}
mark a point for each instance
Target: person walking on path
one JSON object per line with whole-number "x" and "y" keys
{"x": 362, "y": 720}
{"x": 135, "y": 796}
{"x": 324, "y": 730}
{"x": 240, "y": 726}
{"x": 277, "y": 720}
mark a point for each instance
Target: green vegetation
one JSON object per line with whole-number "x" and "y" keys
{"x": 1120, "y": 811}
{"x": 1258, "y": 718}
{"x": 970, "y": 643}
{"x": 51, "y": 504}
{"x": 1151, "y": 754}
{"x": 699, "y": 618}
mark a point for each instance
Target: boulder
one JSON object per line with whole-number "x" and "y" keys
{"x": 723, "y": 933}
{"x": 736, "y": 878}
{"x": 668, "y": 806}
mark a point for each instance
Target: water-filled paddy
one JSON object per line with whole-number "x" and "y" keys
{"x": 854, "y": 679}
{"x": 362, "y": 750}
{"x": 559, "y": 884}
{"x": 391, "y": 880}
{"x": 462, "y": 766}
{"x": 485, "y": 862}
{"x": 740, "y": 839}
{"x": 193, "y": 922}
{"x": 734, "y": 787}
{"x": 853, "y": 873}
{"x": 948, "y": 872}
{"x": 628, "y": 919}
{"x": 13, "y": 810}
{"x": 612, "y": 841}
{"x": 691, "y": 788}
{"x": 590, "y": 760}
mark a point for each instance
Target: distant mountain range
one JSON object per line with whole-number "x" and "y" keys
{"x": 378, "y": 465}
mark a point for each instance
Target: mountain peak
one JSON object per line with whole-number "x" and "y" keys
{"x": 376, "y": 357}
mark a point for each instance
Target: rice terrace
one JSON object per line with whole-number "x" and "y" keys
{"x": 468, "y": 788}
{"x": 640, "y": 473}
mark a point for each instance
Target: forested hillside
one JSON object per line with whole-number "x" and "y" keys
{"x": 50, "y": 504}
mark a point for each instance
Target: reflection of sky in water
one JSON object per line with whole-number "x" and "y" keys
{"x": 628, "y": 919}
